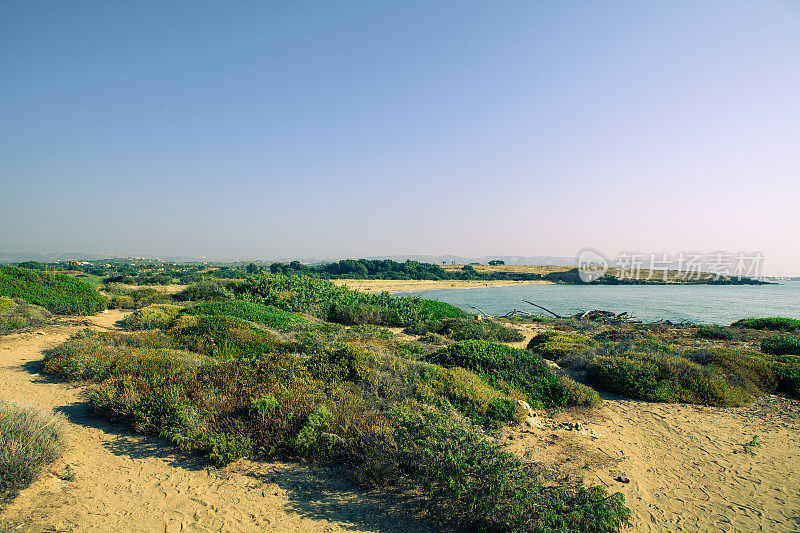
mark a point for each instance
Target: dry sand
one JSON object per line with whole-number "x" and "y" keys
{"x": 686, "y": 466}
{"x": 129, "y": 482}
{"x": 410, "y": 285}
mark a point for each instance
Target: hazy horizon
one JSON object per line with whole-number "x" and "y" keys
{"x": 364, "y": 129}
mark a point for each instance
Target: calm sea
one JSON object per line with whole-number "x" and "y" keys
{"x": 705, "y": 304}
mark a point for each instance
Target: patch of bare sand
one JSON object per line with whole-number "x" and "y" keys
{"x": 374, "y": 286}
{"x": 686, "y": 466}
{"x": 129, "y": 482}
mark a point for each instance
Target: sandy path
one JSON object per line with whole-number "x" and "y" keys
{"x": 127, "y": 482}
{"x": 686, "y": 466}
{"x": 688, "y": 469}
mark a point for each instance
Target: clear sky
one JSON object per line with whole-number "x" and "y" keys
{"x": 314, "y": 129}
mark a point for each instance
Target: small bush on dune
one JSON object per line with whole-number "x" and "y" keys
{"x": 203, "y": 290}
{"x": 715, "y": 332}
{"x": 16, "y": 313}
{"x": 30, "y": 439}
{"x": 225, "y": 336}
{"x": 156, "y": 316}
{"x": 664, "y": 378}
{"x": 460, "y": 329}
{"x": 519, "y": 369}
{"x": 553, "y": 345}
{"x": 479, "y": 486}
{"x": 781, "y": 345}
{"x": 773, "y": 323}
{"x": 267, "y": 315}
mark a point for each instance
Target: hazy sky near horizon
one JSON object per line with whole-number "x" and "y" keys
{"x": 315, "y": 129}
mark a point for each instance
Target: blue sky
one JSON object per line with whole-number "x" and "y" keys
{"x": 313, "y": 129}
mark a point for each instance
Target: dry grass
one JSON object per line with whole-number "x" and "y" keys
{"x": 30, "y": 439}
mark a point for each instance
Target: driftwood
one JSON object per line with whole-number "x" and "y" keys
{"x": 543, "y": 308}
{"x": 481, "y": 311}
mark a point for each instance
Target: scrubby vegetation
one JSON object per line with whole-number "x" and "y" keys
{"x": 459, "y": 329}
{"x": 554, "y": 345}
{"x": 16, "y": 314}
{"x": 30, "y": 439}
{"x": 514, "y": 369}
{"x": 58, "y": 293}
{"x": 297, "y": 367}
{"x": 772, "y": 323}
{"x": 325, "y": 300}
{"x": 781, "y": 345}
{"x": 715, "y": 331}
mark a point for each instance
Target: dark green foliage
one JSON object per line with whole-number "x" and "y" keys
{"x": 203, "y": 290}
{"x": 266, "y": 315}
{"x": 664, "y": 378}
{"x": 58, "y": 293}
{"x": 519, "y": 369}
{"x": 325, "y": 300}
{"x": 554, "y": 345}
{"x": 781, "y": 345}
{"x": 715, "y": 332}
{"x": 479, "y": 486}
{"x": 465, "y": 329}
{"x": 152, "y": 317}
{"x": 773, "y": 323}
{"x": 496, "y": 262}
{"x": 225, "y": 336}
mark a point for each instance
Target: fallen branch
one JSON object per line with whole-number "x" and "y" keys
{"x": 543, "y": 308}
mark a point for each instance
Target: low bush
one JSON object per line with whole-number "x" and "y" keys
{"x": 478, "y": 486}
{"x": 716, "y": 332}
{"x": 225, "y": 336}
{"x": 773, "y": 323}
{"x": 203, "y": 290}
{"x": 266, "y": 315}
{"x": 664, "y": 378}
{"x": 507, "y": 367}
{"x": 30, "y": 439}
{"x": 460, "y": 329}
{"x": 16, "y": 313}
{"x": 58, "y": 293}
{"x": 129, "y": 298}
{"x": 156, "y": 316}
{"x": 553, "y": 345}
{"x": 781, "y": 345}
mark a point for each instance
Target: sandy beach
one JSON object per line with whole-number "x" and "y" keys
{"x": 372, "y": 286}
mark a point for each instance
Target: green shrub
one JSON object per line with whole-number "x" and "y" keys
{"x": 468, "y": 394}
{"x": 225, "y": 337}
{"x": 323, "y": 299}
{"x": 781, "y": 345}
{"x": 475, "y": 484}
{"x": 266, "y": 315}
{"x": 30, "y": 439}
{"x": 227, "y": 448}
{"x": 203, "y": 290}
{"x": 58, "y": 293}
{"x": 554, "y": 345}
{"x": 16, "y": 313}
{"x": 460, "y": 329}
{"x": 664, "y": 378}
{"x": 519, "y": 369}
{"x": 715, "y": 332}
{"x": 773, "y": 323}
{"x": 156, "y": 316}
